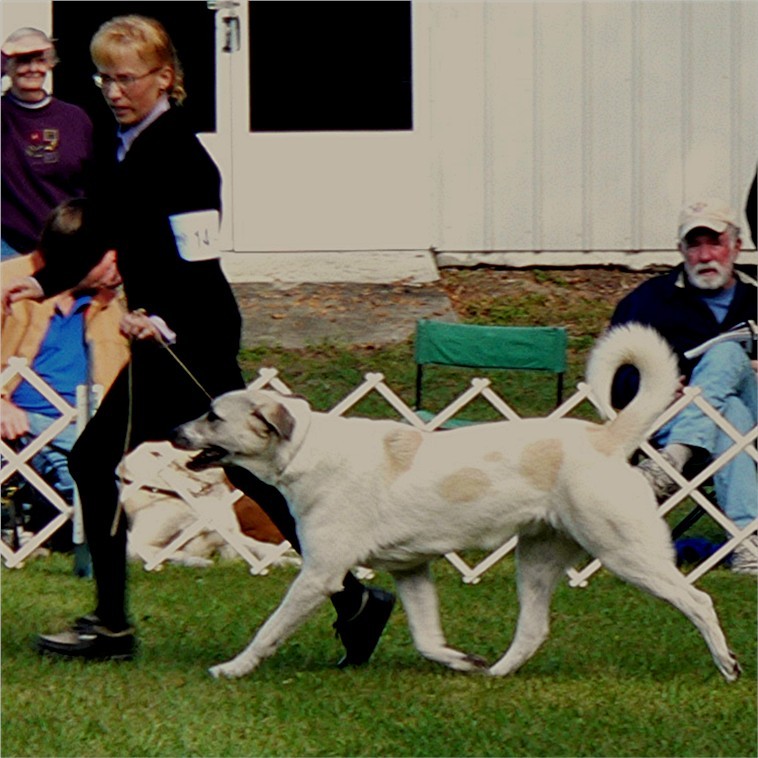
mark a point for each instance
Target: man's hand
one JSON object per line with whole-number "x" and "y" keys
{"x": 13, "y": 421}
{"x": 26, "y": 288}
{"x": 138, "y": 326}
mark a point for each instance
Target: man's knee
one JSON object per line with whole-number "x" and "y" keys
{"x": 737, "y": 413}
{"x": 725, "y": 359}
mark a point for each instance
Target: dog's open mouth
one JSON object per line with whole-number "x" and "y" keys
{"x": 208, "y": 457}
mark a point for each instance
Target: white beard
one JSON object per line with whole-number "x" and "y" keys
{"x": 711, "y": 281}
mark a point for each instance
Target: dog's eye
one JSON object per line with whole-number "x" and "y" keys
{"x": 213, "y": 416}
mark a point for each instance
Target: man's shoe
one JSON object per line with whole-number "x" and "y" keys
{"x": 89, "y": 641}
{"x": 662, "y": 484}
{"x": 360, "y": 634}
{"x": 744, "y": 560}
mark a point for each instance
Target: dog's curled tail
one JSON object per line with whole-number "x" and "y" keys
{"x": 641, "y": 347}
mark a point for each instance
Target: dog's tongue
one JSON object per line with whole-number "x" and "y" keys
{"x": 211, "y": 456}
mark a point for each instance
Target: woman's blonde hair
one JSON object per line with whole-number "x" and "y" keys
{"x": 148, "y": 38}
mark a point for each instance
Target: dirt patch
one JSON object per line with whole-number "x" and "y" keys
{"x": 378, "y": 314}
{"x": 356, "y": 314}
{"x": 464, "y": 286}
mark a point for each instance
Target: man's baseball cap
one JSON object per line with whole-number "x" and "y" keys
{"x": 711, "y": 213}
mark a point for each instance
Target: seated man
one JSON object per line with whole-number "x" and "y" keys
{"x": 699, "y": 299}
{"x": 68, "y": 340}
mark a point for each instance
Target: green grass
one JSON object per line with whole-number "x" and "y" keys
{"x": 326, "y": 373}
{"x": 622, "y": 674}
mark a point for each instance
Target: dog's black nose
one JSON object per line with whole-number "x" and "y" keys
{"x": 179, "y": 438}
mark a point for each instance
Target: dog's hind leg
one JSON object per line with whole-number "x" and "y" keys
{"x": 541, "y": 561}
{"x": 628, "y": 536}
{"x": 661, "y": 578}
{"x": 419, "y": 598}
{"x": 304, "y": 596}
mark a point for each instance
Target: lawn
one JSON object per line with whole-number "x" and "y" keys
{"x": 582, "y": 301}
{"x": 622, "y": 674}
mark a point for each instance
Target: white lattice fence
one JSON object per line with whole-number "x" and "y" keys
{"x": 19, "y": 462}
{"x": 150, "y": 469}
{"x": 156, "y": 467}
{"x": 481, "y": 388}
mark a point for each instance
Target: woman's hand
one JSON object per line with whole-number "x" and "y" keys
{"x": 13, "y": 421}
{"x": 26, "y": 288}
{"x": 138, "y": 326}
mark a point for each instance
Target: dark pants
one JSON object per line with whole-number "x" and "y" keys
{"x": 146, "y": 403}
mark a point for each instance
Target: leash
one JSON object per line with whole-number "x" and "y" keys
{"x": 130, "y": 415}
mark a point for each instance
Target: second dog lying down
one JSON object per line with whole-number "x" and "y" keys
{"x": 381, "y": 494}
{"x": 157, "y": 513}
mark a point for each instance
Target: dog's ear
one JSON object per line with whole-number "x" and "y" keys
{"x": 276, "y": 417}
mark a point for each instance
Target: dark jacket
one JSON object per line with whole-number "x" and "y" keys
{"x": 671, "y": 305}
{"x": 165, "y": 172}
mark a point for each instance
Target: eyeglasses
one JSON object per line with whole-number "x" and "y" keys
{"x": 124, "y": 81}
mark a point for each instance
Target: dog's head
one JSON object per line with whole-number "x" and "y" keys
{"x": 247, "y": 428}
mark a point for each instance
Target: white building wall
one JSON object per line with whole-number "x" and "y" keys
{"x": 546, "y": 132}
{"x": 583, "y": 126}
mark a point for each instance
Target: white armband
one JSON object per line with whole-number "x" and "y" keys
{"x": 197, "y": 234}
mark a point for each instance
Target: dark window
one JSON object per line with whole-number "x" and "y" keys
{"x": 330, "y": 66}
{"x": 191, "y": 27}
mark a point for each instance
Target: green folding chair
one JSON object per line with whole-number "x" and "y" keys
{"x": 520, "y": 348}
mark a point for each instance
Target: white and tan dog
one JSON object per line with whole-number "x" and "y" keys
{"x": 382, "y": 494}
{"x": 157, "y": 513}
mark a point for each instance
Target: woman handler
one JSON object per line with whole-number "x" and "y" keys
{"x": 162, "y": 196}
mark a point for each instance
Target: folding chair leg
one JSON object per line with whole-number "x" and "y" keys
{"x": 689, "y": 520}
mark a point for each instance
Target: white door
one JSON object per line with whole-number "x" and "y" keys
{"x": 325, "y": 190}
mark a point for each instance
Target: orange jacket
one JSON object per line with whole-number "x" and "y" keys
{"x": 25, "y": 327}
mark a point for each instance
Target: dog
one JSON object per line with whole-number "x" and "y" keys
{"x": 157, "y": 514}
{"x": 392, "y": 497}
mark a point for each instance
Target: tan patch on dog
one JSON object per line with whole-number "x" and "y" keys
{"x": 540, "y": 463}
{"x": 494, "y": 457}
{"x": 465, "y": 485}
{"x": 602, "y": 440}
{"x": 401, "y": 448}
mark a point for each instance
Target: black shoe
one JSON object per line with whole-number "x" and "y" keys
{"x": 86, "y": 623}
{"x": 89, "y": 641}
{"x": 360, "y": 633}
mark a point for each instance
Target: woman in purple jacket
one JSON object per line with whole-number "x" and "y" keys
{"x": 47, "y": 153}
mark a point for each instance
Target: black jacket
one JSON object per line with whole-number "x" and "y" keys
{"x": 671, "y": 305}
{"x": 165, "y": 172}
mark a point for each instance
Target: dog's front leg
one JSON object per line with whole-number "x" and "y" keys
{"x": 542, "y": 560}
{"x": 419, "y": 597}
{"x": 305, "y": 595}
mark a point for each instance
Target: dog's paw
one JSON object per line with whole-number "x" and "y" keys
{"x": 225, "y": 671}
{"x": 459, "y": 661}
{"x": 470, "y": 662}
{"x": 732, "y": 672}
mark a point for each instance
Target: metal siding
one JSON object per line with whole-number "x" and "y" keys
{"x": 558, "y": 126}
{"x": 596, "y": 120}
